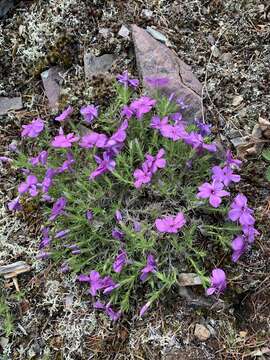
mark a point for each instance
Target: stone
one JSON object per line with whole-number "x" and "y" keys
{"x": 147, "y": 13}
{"x": 189, "y": 279}
{"x": 52, "y": 79}
{"x": 201, "y": 332}
{"x": 7, "y": 104}
{"x": 215, "y": 51}
{"x": 94, "y": 65}
{"x": 157, "y": 35}
{"x": 124, "y": 32}
{"x": 157, "y": 60}
{"x": 237, "y": 100}
{"x": 5, "y": 6}
{"x": 105, "y": 32}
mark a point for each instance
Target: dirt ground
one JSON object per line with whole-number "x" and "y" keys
{"x": 227, "y": 43}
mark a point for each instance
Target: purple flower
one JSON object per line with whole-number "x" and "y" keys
{"x": 89, "y": 215}
{"x": 41, "y": 158}
{"x": 142, "y": 106}
{"x": 43, "y": 255}
{"x": 64, "y": 141}
{"x": 174, "y": 132}
{"x": 108, "y": 285}
{"x": 64, "y": 268}
{"x": 95, "y": 281}
{"x": 225, "y": 175}
{"x": 117, "y": 234}
{"x": 157, "y": 82}
{"x": 218, "y": 282}
{"x": 142, "y": 176}
{"x": 46, "y": 240}
{"x": 62, "y": 233}
{"x": 67, "y": 164}
{"x": 239, "y": 211}
{"x": 212, "y": 191}
{"x": 48, "y": 179}
{"x": 118, "y": 215}
{"x": 250, "y": 233}
{"x": 231, "y": 162}
{"x": 197, "y": 143}
{"x": 149, "y": 167}
{"x": 114, "y": 315}
{"x": 177, "y": 118}
{"x": 170, "y": 224}
{"x": 30, "y": 185}
{"x": 89, "y": 112}
{"x": 58, "y": 208}
{"x": 65, "y": 114}
{"x": 204, "y": 129}
{"x": 120, "y": 261}
{"x": 14, "y": 205}
{"x": 126, "y": 112}
{"x": 137, "y": 226}
{"x": 13, "y": 146}
{"x": 33, "y": 129}
{"x": 115, "y": 142}
{"x": 125, "y": 80}
{"x": 105, "y": 164}
{"x": 145, "y": 308}
{"x": 239, "y": 246}
{"x": 180, "y": 101}
{"x": 157, "y": 123}
{"x": 150, "y": 267}
{"x": 5, "y": 159}
{"x": 75, "y": 250}
{"x": 92, "y": 139}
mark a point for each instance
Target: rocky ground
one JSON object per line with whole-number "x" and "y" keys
{"x": 227, "y": 45}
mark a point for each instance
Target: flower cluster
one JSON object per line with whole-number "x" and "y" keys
{"x": 127, "y": 245}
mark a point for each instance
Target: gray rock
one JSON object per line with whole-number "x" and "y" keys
{"x": 157, "y": 35}
{"x": 51, "y": 81}
{"x": 94, "y": 65}
{"x": 157, "y": 60}
{"x": 7, "y": 104}
{"x": 189, "y": 279}
{"x": 5, "y": 6}
{"x": 124, "y": 32}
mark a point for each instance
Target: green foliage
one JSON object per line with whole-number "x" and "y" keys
{"x": 6, "y": 317}
{"x": 172, "y": 189}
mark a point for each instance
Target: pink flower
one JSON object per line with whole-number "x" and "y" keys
{"x": 142, "y": 106}
{"x": 65, "y": 114}
{"x": 240, "y": 211}
{"x": 218, "y": 282}
{"x": 239, "y": 246}
{"x": 33, "y": 129}
{"x": 64, "y": 141}
{"x": 225, "y": 175}
{"x": 157, "y": 123}
{"x": 174, "y": 132}
{"x": 92, "y": 139}
{"x": 170, "y": 224}
{"x": 212, "y": 191}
